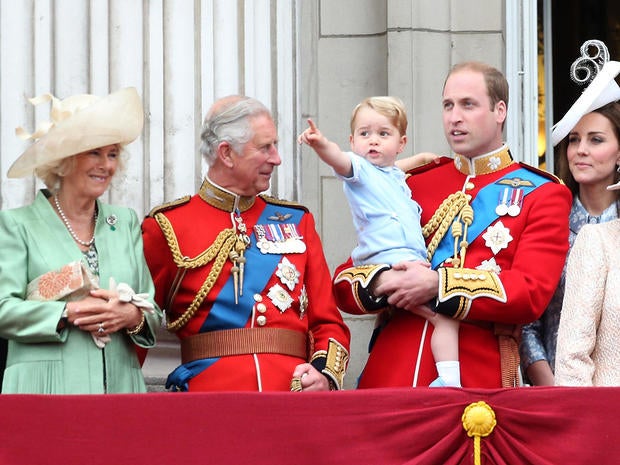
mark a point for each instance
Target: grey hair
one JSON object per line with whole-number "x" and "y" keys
{"x": 229, "y": 121}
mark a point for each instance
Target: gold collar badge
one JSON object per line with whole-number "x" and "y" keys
{"x": 484, "y": 164}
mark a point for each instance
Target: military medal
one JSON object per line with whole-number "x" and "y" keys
{"x": 303, "y": 302}
{"x": 288, "y": 274}
{"x": 279, "y": 238}
{"x": 497, "y": 237}
{"x": 510, "y": 202}
{"x": 502, "y": 205}
{"x": 516, "y": 201}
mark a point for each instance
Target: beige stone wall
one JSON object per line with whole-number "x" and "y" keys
{"x": 352, "y": 49}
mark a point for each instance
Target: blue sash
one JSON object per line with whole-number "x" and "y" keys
{"x": 484, "y": 207}
{"x": 224, "y": 313}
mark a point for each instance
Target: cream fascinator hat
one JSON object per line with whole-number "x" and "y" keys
{"x": 78, "y": 124}
{"x": 600, "y": 73}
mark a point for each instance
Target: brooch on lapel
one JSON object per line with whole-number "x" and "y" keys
{"x": 112, "y": 220}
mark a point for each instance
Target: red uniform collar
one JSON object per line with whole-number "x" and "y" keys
{"x": 223, "y": 199}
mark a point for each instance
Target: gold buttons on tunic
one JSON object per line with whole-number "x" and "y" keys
{"x": 261, "y": 320}
{"x": 261, "y": 308}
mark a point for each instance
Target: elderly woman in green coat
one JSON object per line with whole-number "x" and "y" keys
{"x": 76, "y": 296}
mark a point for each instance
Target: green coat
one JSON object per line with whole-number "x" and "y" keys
{"x": 33, "y": 241}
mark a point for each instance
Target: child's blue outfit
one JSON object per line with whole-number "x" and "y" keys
{"x": 386, "y": 219}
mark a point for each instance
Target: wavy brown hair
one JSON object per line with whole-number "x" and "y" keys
{"x": 611, "y": 111}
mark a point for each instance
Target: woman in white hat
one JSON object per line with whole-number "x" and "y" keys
{"x": 589, "y": 159}
{"x": 588, "y": 353}
{"x": 75, "y": 291}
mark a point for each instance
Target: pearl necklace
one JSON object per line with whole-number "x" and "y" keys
{"x": 70, "y": 229}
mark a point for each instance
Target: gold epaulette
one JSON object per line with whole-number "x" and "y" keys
{"x": 284, "y": 203}
{"x": 170, "y": 205}
{"x": 541, "y": 172}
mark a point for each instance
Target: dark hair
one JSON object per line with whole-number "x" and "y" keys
{"x": 611, "y": 111}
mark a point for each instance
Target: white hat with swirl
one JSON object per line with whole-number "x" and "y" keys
{"x": 602, "y": 88}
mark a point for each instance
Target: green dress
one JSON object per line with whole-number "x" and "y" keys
{"x": 33, "y": 241}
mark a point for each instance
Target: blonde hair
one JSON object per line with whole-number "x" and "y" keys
{"x": 52, "y": 173}
{"x": 390, "y": 107}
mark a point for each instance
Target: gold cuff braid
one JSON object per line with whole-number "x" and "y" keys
{"x": 360, "y": 278}
{"x": 362, "y": 274}
{"x": 469, "y": 284}
{"x": 337, "y": 359}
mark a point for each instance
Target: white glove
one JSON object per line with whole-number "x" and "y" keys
{"x": 127, "y": 294}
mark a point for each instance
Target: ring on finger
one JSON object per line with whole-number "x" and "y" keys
{"x": 101, "y": 330}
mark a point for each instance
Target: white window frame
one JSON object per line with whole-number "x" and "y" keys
{"x": 522, "y": 75}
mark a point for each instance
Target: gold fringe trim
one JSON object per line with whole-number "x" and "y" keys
{"x": 219, "y": 251}
{"x": 441, "y": 220}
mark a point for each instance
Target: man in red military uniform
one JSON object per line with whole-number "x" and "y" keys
{"x": 497, "y": 237}
{"x": 243, "y": 277}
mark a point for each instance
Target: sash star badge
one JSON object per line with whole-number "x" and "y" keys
{"x": 489, "y": 265}
{"x": 497, "y": 237}
{"x": 288, "y": 274}
{"x": 280, "y": 297}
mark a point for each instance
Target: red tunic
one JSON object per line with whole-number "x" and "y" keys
{"x": 196, "y": 224}
{"x": 528, "y": 269}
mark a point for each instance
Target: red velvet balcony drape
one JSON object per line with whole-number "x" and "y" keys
{"x": 384, "y": 427}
